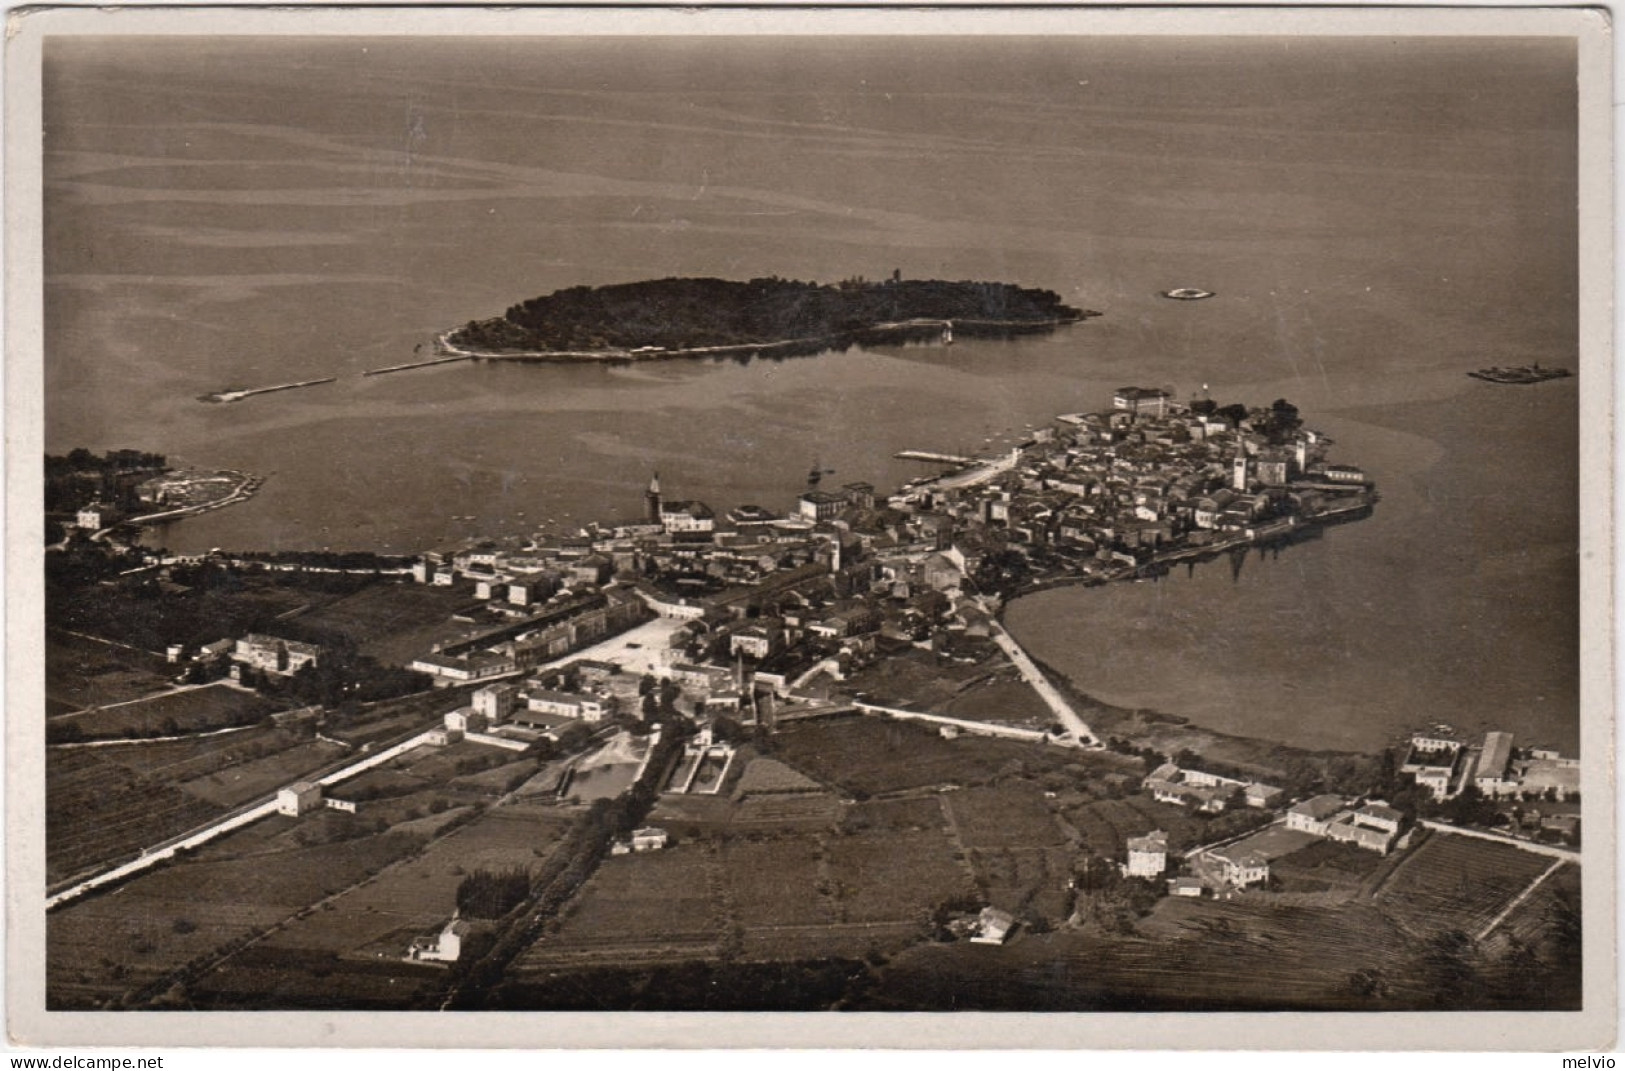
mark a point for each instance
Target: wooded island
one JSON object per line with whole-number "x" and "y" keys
{"x": 670, "y": 317}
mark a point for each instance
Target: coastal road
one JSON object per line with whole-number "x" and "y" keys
{"x": 1046, "y": 691}
{"x": 236, "y": 820}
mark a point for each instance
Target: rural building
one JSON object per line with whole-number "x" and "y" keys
{"x": 466, "y": 720}
{"x": 1262, "y": 795}
{"x": 299, "y": 798}
{"x": 1314, "y": 815}
{"x": 269, "y": 654}
{"x": 347, "y": 806}
{"x": 461, "y": 669}
{"x": 993, "y": 926}
{"x": 97, "y": 516}
{"x": 443, "y": 947}
{"x": 1348, "y": 831}
{"x": 649, "y": 839}
{"x": 1241, "y": 867}
{"x": 1432, "y": 760}
{"x": 1206, "y": 792}
{"x": 1147, "y": 855}
{"x": 1184, "y": 887}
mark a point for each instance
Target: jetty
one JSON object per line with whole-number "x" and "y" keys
{"x": 247, "y": 392}
{"x": 453, "y": 359}
{"x": 933, "y": 457}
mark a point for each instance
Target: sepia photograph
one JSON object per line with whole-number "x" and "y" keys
{"x": 1085, "y": 514}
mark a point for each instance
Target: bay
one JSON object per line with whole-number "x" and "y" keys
{"x": 1376, "y": 218}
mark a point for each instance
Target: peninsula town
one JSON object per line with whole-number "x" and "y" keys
{"x": 745, "y": 756}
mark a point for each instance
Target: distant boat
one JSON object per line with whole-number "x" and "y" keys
{"x": 1187, "y": 293}
{"x": 1523, "y": 374}
{"x": 816, "y": 473}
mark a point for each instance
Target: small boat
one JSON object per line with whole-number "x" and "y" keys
{"x": 1187, "y": 293}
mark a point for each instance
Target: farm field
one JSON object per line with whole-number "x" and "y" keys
{"x": 99, "y": 812}
{"x": 420, "y": 893}
{"x": 140, "y": 932}
{"x": 193, "y": 710}
{"x": 1026, "y": 881}
{"x": 1008, "y": 815}
{"x": 776, "y": 882}
{"x": 655, "y": 906}
{"x": 1457, "y": 883}
{"x": 1242, "y": 954}
{"x": 82, "y": 673}
{"x": 1107, "y": 824}
{"x": 917, "y": 680}
{"x": 870, "y": 756}
{"x": 263, "y": 775}
{"x": 1326, "y": 864}
{"x": 893, "y": 877}
{"x": 391, "y": 621}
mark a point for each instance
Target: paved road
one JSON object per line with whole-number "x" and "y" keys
{"x": 1046, "y": 691}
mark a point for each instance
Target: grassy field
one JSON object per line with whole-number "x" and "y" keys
{"x": 1004, "y": 698}
{"x": 870, "y": 756}
{"x": 195, "y": 710}
{"x": 82, "y": 673}
{"x": 393, "y": 622}
{"x": 1457, "y": 883}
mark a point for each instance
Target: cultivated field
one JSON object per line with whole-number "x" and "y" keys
{"x": 1012, "y": 814}
{"x": 1026, "y": 881}
{"x": 140, "y": 932}
{"x": 1240, "y": 955}
{"x": 83, "y": 673}
{"x": 777, "y": 882}
{"x": 893, "y": 877}
{"x": 392, "y": 621}
{"x": 194, "y": 710}
{"x": 870, "y": 756}
{"x": 1457, "y": 883}
{"x": 98, "y": 812}
{"x": 420, "y": 894}
{"x": 1107, "y": 824}
{"x": 262, "y": 776}
{"x": 656, "y": 906}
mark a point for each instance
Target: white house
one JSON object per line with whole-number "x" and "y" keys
{"x": 993, "y": 926}
{"x": 1147, "y": 855}
{"x": 443, "y": 947}
{"x": 1314, "y": 815}
{"x": 298, "y": 798}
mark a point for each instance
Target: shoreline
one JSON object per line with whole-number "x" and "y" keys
{"x": 878, "y": 334}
